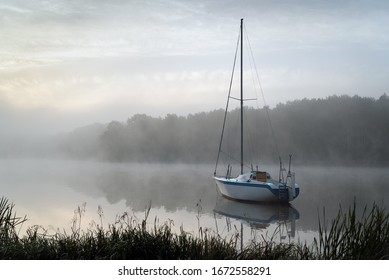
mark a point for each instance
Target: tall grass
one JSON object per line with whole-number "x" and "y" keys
{"x": 9, "y": 222}
{"x": 350, "y": 237}
{"x": 345, "y": 237}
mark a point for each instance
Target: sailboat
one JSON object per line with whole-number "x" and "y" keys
{"x": 255, "y": 185}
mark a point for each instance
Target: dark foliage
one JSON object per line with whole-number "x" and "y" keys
{"x": 342, "y": 129}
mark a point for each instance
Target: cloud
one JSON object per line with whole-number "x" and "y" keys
{"x": 111, "y": 59}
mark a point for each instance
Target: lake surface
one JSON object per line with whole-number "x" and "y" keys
{"x": 184, "y": 196}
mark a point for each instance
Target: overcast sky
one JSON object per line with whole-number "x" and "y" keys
{"x": 68, "y": 63}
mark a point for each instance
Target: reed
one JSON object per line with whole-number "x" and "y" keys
{"x": 345, "y": 237}
{"x": 350, "y": 237}
{"x": 9, "y": 222}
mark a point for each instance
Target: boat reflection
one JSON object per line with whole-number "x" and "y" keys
{"x": 259, "y": 216}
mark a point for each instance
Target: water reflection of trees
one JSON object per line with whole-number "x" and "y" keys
{"x": 169, "y": 186}
{"x": 182, "y": 186}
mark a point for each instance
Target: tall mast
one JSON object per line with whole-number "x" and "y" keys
{"x": 241, "y": 96}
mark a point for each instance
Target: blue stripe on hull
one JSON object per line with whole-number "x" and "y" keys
{"x": 251, "y": 185}
{"x": 245, "y": 184}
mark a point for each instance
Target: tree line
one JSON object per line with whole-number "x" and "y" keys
{"x": 333, "y": 130}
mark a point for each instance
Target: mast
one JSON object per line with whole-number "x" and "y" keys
{"x": 241, "y": 96}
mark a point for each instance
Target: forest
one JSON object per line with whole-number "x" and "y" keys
{"x": 344, "y": 130}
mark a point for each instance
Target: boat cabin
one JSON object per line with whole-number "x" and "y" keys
{"x": 261, "y": 176}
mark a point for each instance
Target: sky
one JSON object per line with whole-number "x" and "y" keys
{"x": 69, "y": 63}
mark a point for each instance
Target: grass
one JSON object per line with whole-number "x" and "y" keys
{"x": 344, "y": 237}
{"x": 349, "y": 237}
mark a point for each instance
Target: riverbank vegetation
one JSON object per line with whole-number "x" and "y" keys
{"x": 347, "y": 236}
{"x": 340, "y": 130}
{"x": 337, "y": 130}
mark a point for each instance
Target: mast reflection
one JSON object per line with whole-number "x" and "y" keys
{"x": 259, "y": 216}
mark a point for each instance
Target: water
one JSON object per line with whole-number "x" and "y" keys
{"x": 184, "y": 196}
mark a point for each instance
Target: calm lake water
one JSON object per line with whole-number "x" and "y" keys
{"x": 182, "y": 195}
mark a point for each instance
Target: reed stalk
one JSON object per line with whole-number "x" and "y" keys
{"x": 347, "y": 236}
{"x": 350, "y": 237}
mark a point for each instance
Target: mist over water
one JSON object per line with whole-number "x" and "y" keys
{"x": 157, "y": 96}
{"x": 48, "y": 192}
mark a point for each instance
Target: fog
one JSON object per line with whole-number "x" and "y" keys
{"x": 339, "y": 130}
{"x": 339, "y": 147}
{"x": 48, "y": 191}
{"x": 66, "y": 64}
{"x": 117, "y": 104}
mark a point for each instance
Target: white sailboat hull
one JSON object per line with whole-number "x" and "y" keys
{"x": 255, "y": 190}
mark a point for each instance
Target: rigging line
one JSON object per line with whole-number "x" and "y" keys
{"x": 263, "y": 97}
{"x": 228, "y": 101}
{"x": 234, "y": 159}
{"x": 253, "y": 137}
